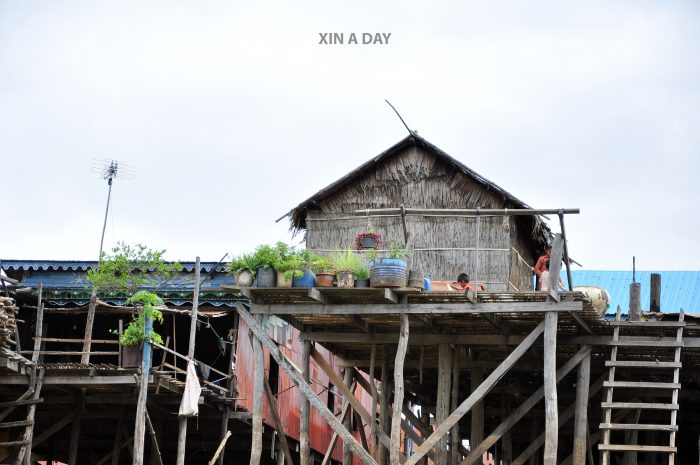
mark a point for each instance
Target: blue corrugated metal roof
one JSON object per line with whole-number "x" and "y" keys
{"x": 679, "y": 289}
{"x": 83, "y": 265}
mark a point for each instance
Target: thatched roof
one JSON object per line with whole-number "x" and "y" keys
{"x": 541, "y": 233}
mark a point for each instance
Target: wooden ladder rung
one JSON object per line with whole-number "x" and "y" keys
{"x": 640, "y": 364}
{"x": 638, "y": 427}
{"x": 16, "y": 424}
{"x": 639, "y": 405}
{"x": 649, "y": 324}
{"x": 647, "y": 343}
{"x": 21, "y": 402}
{"x": 14, "y": 443}
{"x": 640, "y": 384}
{"x": 635, "y": 448}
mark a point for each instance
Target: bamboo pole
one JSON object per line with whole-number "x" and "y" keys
{"x": 581, "y": 411}
{"x": 87, "y": 339}
{"x": 347, "y": 381}
{"x": 182, "y": 421}
{"x": 442, "y": 409}
{"x": 468, "y": 211}
{"x": 258, "y": 391}
{"x": 395, "y": 450}
{"x": 305, "y": 407}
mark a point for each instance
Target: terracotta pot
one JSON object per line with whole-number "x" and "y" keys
{"x": 346, "y": 279}
{"x": 325, "y": 279}
{"x": 283, "y": 281}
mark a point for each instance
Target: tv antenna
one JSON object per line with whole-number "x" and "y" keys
{"x": 110, "y": 170}
{"x": 410, "y": 132}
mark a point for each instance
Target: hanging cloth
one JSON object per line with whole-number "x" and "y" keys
{"x": 189, "y": 407}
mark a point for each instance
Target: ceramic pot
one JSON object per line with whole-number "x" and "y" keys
{"x": 325, "y": 279}
{"x": 244, "y": 278}
{"x": 284, "y": 281}
{"x": 346, "y": 279}
{"x": 307, "y": 280}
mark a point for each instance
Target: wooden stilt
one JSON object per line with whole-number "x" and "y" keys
{"x": 272, "y": 403}
{"x": 75, "y": 431}
{"x": 583, "y": 381}
{"x": 334, "y": 438}
{"x": 303, "y": 386}
{"x": 305, "y": 408}
{"x": 442, "y": 408}
{"x": 347, "y": 381}
{"x": 258, "y": 392}
{"x": 182, "y": 421}
{"x": 39, "y": 329}
{"x": 375, "y": 400}
{"x": 395, "y": 449}
{"x": 117, "y": 447}
{"x": 550, "y": 389}
{"x": 506, "y": 442}
{"x": 156, "y": 458}
{"x": 26, "y": 451}
{"x": 476, "y": 395}
{"x": 455, "y": 439}
{"x": 383, "y": 455}
{"x": 477, "y": 420}
{"x": 87, "y": 339}
{"x": 425, "y": 417}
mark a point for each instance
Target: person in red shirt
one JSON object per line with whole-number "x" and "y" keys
{"x": 464, "y": 284}
{"x": 541, "y": 265}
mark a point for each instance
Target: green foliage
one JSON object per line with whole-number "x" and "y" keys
{"x": 288, "y": 261}
{"x": 245, "y": 262}
{"x": 395, "y": 251}
{"x": 129, "y": 267}
{"x": 361, "y": 272}
{"x": 345, "y": 261}
{"x": 322, "y": 265}
{"x": 372, "y": 254}
{"x": 265, "y": 256}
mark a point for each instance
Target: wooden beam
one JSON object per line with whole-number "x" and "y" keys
{"x": 477, "y": 415}
{"x": 272, "y": 403}
{"x": 519, "y": 413}
{"x": 390, "y": 296}
{"x": 334, "y": 438}
{"x": 182, "y": 421}
{"x": 317, "y": 295}
{"x": 375, "y": 397}
{"x": 414, "y": 308}
{"x": 296, "y": 377}
{"x": 258, "y": 392}
{"x": 395, "y": 448}
{"x": 455, "y": 439}
{"x": 305, "y": 407}
{"x": 39, "y": 329}
{"x": 468, "y": 211}
{"x": 550, "y": 390}
{"x": 442, "y": 407}
{"x": 383, "y": 453}
{"x": 477, "y": 395}
{"x": 583, "y": 381}
{"x": 347, "y": 382}
{"x": 87, "y": 339}
{"x": 75, "y": 430}
{"x": 358, "y": 322}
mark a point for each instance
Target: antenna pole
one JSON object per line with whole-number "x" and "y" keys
{"x": 397, "y": 114}
{"x": 104, "y": 225}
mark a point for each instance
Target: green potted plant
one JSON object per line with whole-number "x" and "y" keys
{"x": 125, "y": 270}
{"x": 345, "y": 264}
{"x": 308, "y": 265}
{"x": 287, "y": 264}
{"x": 265, "y": 256}
{"x": 243, "y": 268}
{"x": 362, "y": 276}
{"x": 325, "y": 274}
{"x": 390, "y": 271}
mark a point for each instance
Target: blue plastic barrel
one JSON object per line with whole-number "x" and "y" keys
{"x": 266, "y": 277}
{"x": 307, "y": 280}
{"x": 388, "y": 272}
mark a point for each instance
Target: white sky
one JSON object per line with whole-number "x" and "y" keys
{"x": 231, "y": 114}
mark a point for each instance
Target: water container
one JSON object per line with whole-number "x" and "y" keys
{"x": 267, "y": 277}
{"x": 388, "y": 272}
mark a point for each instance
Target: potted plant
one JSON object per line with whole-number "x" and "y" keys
{"x": 325, "y": 274}
{"x": 345, "y": 264}
{"x": 362, "y": 276}
{"x": 134, "y": 335}
{"x": 287, "y": 265}
{"x": 308, "y": 264}
{"x": 389, "y": 271}
{"x": 368, "y": 239}
{"x": 265, "y": 256}
{"x": 243, "y": 268}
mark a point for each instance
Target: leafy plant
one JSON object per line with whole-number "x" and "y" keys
{"x": 127, "y": 268}
{"x": 322, "y": 265}
{"x": 362, "y": 272}
{"x": 288, "y": 261}
{"x": 345, "y": 261}
{"x": 265, "y": 256}
{"x": 395, "y": 251}
{"x": 362, "y": 235}
{"x": 245, "y": 262}
{"x": 372, "y": 254}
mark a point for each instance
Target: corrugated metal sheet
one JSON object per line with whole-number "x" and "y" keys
{"x": 679, "y": 289}
{"x": 82, "y": 265}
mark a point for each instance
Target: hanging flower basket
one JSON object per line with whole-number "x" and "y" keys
{"x": 367, "y": 240}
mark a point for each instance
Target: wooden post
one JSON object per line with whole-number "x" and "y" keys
{"x": 29, "y": 430}
{"x": 231, "y": 386}
{"x": 550, "y": 389}
{"x": 442, "y": 408}
{"x": 395, "y": 451}
{"x": 87, "y": 339}
{"x": 182, "y": 421}
{"x": 334, "y": 438}
{"x": 425, "y": 417}
{"x": 305, "y": 408}
{"x": 635, "y": 302}
{"x": 506, "y": 440}
{"x": 583, "y": 382}
{"x": 454, "y": 402}
{"x": 382, "y": 456}
{"x": 655, "y": 296}
{"x": 258, "y": 391}
{"x": 75, "y": 430}
{"x": 39, "y": 329}
{"x": 156, "y": 458}
{"x": 140, "y": 421}
{"x": 347, "y": 453}
{"x": 477, "y": 427}
{"x": 272, "y": 403}
{"x": 375, "y": 399}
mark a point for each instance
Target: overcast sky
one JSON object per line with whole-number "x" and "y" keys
{"x": 231, "y": 113}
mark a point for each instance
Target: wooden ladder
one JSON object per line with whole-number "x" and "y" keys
{"x": 647, "y": 367}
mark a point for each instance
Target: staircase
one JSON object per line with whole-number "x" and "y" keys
{"x": 642, "y": 375}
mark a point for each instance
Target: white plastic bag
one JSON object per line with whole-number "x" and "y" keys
{"x": 189, "y": 407}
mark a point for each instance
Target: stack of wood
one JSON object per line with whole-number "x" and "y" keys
{"x": 8, "y": 310}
